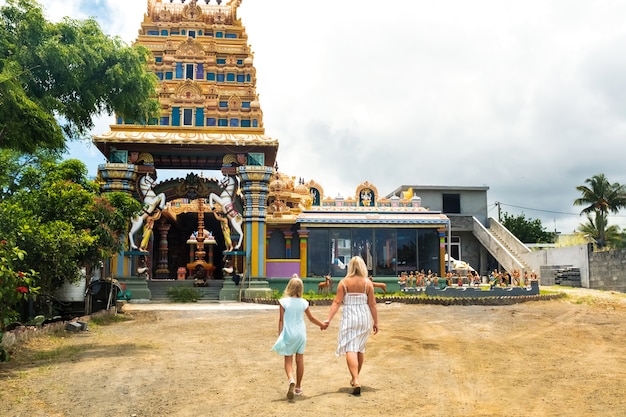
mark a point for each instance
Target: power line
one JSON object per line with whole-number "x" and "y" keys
{"x": 547, "y": 211}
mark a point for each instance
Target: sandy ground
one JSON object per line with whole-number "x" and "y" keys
{"x": 549, "y": 358}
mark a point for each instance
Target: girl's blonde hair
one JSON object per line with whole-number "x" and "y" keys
{"x": 295, "y": 287}
{"x": 357, "y": 267}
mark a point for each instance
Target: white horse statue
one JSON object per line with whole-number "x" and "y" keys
{"x": 225, "y": 200}
{"x": 151, "y": 202}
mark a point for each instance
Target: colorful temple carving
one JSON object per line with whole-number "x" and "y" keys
{"x": 261, "y": 222}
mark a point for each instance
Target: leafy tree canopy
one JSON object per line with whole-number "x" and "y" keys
{"x": 59, "y": 218}
{"x": 55, "y": 77}
{"x": 527, "y": 230}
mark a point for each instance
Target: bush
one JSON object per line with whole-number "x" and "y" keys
{"x": 183, "y": 294}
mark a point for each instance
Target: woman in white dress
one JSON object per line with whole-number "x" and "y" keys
{"x": 359, "y": 317}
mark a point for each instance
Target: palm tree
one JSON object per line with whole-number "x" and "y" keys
{"x": 612, "y": 236}
{"x": 600, "y": 198}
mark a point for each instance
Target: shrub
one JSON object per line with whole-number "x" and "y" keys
{"x": 183, "y": 294}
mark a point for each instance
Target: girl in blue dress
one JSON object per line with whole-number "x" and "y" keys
{"x": 292, "y": 332}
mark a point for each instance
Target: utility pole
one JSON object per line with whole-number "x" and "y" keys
{"x": 498, "y": 205}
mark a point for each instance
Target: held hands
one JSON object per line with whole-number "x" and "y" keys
{"x": 325, "y": 325}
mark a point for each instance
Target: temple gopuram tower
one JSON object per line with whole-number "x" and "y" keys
{"x": 210, "y": 119}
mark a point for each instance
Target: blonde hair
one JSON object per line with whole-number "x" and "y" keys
{"x": 357, "y": 267}
{"x": 295, "y": 288}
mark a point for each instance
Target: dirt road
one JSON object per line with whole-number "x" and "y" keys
{"x": 563, "y": 357}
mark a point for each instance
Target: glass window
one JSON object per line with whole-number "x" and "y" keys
{"x": 165, "y": 121}
{"x": 234, "y": 122}
{"x": 179, "y": 70}
{"x": 211, "y": 121}
{"x": 407, "y": 250}
{"x": 222, "y": 122}
{"x": 169, "y": 75}
{"x": 189, "y": 71}
{"x": 340, "y": 251}
{"x": 223, "y": 104}
{"x": 230, "y": 77}
{"x": 220, "y": 78}
{"x": 318, "y": 251}
{"x": 240, "y": 78}
{"x": 428, "y": 250}
{"x": 187, "y": 117}
{"x": 452, "y": 203}
{"x": 385, "y": 252}
{"x": 245, "y": 122}
{"x": 210, "y": 76}
{"x": 221, "y": 61}
{"x": 362, "y": 240}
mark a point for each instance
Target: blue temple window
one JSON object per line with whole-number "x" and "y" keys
{"x": 169, "y": 75}
{"x": 153, "y": 33}
{"x": 248, "y": 78}
{"x": 219, "y": 34}
{"x": 189, "y": 71}
{"x": 158, "y": 59}
{"x": 245, "y": 104}
{"x": 175, "y": 116}
{"x": 183, "y": 32}
{"x": 220, "y": 78}
{"x": 208, "y": 34}
{"x": 222, "y": 122}
{"x": 211, "y": 121}
{"x": 240, "y": 78}
{"x": 224, "y": 104}
{"x": 221, "y": 61}
{"x": 230, "y": 77}
{"x": 159, "y": 75}
{"x": 245, "y": 122}
{"x": 231, "y": 36}
{"x": 210, "y": 76}
{"x": 200, "y": 71}
{"x": 120, "y": 121}
{"x": 199, "y": 116}
{"x": 174, "y": 33}
{"x": 200, "y": 33}
{"x": 240, "y": 62}
{"x": 179, "y": 70}
{"x": 164, "y": 32}
{"x": 234, "y": 122}
{"x": 187, "y": 117}
{"x": 255, "y": 123}
{"x": 165, "y": 121}
{"x": 192, "y": 34}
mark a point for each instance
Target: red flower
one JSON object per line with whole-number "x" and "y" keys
{"x": 22, "y": 290}
{"x": 3, "y": 242}
{"x": 20, "y": 274}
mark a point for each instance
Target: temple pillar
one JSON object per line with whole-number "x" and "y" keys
{"x": 442, "y": 252}
{"x": 163, "y": 271}
{"x": 288, "y": 237}
{"x": 304, "y": 239}
{"x": 268, "y": 237}
{"x": 254, "y": 185}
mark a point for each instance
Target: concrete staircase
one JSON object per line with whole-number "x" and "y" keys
{"x": 210, "y": 293}
{"x": 501, "y": 244}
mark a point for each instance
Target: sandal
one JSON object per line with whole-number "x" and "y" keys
{"x": 298, "y": 391}
{"x": 292, "y": 385}
{"x": 356, "y": 390}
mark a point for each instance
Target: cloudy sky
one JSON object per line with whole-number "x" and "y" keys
{"x": 525, "y": 97}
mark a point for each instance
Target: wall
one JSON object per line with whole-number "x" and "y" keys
{"x": 607, "y": 270}
{"x": 576, "y": 256}
{"x": 281, "y": 268}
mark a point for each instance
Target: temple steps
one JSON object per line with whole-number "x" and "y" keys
{"x": 210, "y": 293}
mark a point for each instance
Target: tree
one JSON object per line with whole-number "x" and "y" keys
{"x": 612, "y": 235}
{"x": 600, "y": 198}
{"x": 61, "y": 220}
{"x": 55, "y": 77}
{"x": 527, "y": 230}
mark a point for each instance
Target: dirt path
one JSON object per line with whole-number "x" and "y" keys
{"x": 548, "y": 358}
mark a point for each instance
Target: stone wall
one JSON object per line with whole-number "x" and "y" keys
{"x": 607, "y": 270}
